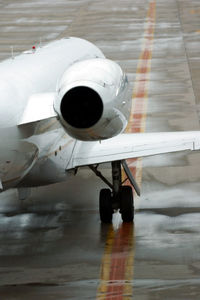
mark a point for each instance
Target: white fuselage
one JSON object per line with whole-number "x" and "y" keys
{"x": 42, "y": 147}
{"x": 58, "y": 89}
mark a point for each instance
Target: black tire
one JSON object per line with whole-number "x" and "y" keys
{"x": 126, "y": 204}
{"x": 105, "y": 206}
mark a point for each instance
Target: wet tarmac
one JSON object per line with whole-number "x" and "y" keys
{"x": 53, "y": 246}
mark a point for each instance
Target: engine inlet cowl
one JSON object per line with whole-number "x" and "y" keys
{"x": 81, "y": 107}
{"x": 91, "y": 102}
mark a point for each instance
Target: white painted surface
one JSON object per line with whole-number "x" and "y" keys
{"x": 126, "y": 146}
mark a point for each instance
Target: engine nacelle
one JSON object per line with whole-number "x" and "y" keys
{"x": 92, "y": 100}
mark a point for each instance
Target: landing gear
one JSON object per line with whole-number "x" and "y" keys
{"x": 126, "y": 203}
{"x": 120, "y": 198}
{"x": 123, "y": 201}
{"x": 105, "y": 206}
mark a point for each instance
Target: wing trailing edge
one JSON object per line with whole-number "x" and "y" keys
{"x": 127, "y": 146}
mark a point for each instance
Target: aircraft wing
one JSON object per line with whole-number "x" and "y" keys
{"x": 126, "y": 146}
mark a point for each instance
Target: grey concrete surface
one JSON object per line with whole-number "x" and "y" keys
{"x": 51, "y": 246}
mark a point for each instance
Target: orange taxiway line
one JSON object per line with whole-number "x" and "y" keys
{"x": 117, "y": 263}
{"x": 137, "y": 119}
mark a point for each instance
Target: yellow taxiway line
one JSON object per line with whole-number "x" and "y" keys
{"x": 116, "y": 281}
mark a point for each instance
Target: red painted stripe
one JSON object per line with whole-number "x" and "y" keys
{"x": 121, "y": 247}
{"x": 121, "y": 244}
{"x": 140, "y": 95}
{"x": 143, "y": 69}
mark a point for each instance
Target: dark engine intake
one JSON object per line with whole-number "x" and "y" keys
{"x": 81, "y": 107}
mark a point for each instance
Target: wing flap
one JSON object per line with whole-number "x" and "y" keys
{"x": 127, "y": 146}
{"x": 39, "y": 107}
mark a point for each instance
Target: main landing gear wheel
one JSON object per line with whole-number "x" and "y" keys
{"x": 118, "y": 196}
{"x": 126, "y": 204}
{"x": 105, "y": 206}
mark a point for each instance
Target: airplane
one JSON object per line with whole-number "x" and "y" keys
{"x": 64, "y": 106}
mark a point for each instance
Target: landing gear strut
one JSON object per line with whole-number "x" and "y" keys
{"x": 120, "y": 197}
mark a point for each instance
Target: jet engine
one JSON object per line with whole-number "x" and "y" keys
{"x": 92, "y": 100}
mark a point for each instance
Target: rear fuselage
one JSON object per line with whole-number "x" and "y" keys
{"x": 42, "y": 147}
